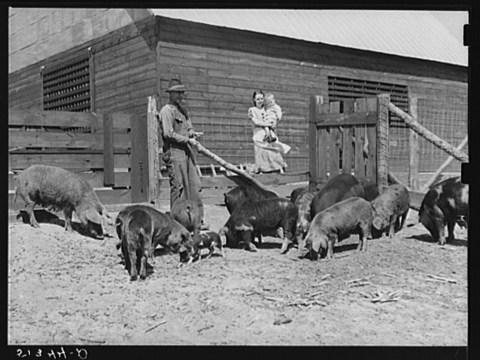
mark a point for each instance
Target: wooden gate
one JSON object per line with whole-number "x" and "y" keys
{"x": 349, "y": 137}
{"x": 106, "y": 149}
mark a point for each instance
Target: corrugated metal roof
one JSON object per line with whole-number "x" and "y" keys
{"x": 417, "y": 34}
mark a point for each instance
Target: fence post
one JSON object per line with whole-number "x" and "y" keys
{"x": 153, "y": 150}
{"x": 413, "y": 142}
{"x": 139, "y": 160}
{"x": 108, "y": 158}
{"x": 382, "y": 141}
{"x": 315, "y": 101}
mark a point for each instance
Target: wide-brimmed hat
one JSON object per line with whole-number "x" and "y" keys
{"x": 175, "y": 85}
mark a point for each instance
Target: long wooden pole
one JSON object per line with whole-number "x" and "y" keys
{"x": 447, "y": 162}
{"x": 232, "y": 168}
{"x": 427, "y": 134}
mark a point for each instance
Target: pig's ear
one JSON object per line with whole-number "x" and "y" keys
{"x": 377, "y": 223}
{"x": 93, "y": 216}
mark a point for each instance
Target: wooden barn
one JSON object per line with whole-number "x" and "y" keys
{"x": 117, "y": 72}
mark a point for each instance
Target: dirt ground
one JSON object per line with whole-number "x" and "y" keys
{"x": 68, "y": 289}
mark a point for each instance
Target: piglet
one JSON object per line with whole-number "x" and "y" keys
{"x": 209, "y": 240}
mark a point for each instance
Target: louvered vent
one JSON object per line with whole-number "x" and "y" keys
{"x": 66, "y": 87}
{"x": 344, "y": 88}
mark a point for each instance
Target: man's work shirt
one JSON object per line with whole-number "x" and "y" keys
{"x": 175, "y": 129}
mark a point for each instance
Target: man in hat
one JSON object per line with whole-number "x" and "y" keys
{"x": 179, "y": 138}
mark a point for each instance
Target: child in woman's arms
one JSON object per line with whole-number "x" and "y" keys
{"x": 273, "y": 112}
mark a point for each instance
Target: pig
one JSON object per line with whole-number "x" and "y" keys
{"x": 390, "y": 210}
{"x": 304, "y": 205}
{"x": 296, "y": 193}
{"x": 209, "y": 240}
{"x": 311, "y": 187}
{"x": 59, "y": 189}
{"x": 137, "y": 242}
{"x": 444, "y": 204}
{"x": 240, "y": 194}
{"x": 167, "y": 232}
{"x": 337, "y": 222}
{"x": 189, "y": 213}
{"x": 370, "y": 189}
{"x": 338, "y": 188}
{"x": 261, "y": 217}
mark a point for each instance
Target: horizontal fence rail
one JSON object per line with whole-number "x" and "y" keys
{"x": 98, "y": 147}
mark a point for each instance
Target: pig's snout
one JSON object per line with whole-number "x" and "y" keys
{"x": 96, "y": 230}
{"x": 313, "y": 246}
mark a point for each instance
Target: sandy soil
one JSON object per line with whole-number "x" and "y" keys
{"x": 68, "y": 289}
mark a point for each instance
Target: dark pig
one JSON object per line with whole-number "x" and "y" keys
{"x": 390, "y": 210}
{"x": 304, "y": 205}
{"x": 59, "y": 189}
{"x": 338, "y": 188}
{"x": 370, "y": 190}
{"x": 260, "y": 217}
{"x": 167, "y": 232}
{"x": 311, "y": 187}
{"x": 338, "y": 222}
{"x": 209, "y": 240}
{"x": 296, "y": 193}
{"x": 240, "y": 194}
{"x": 137, "y": 242}
{"x": 444, "y": 204}
{"x": 189, "y": 213}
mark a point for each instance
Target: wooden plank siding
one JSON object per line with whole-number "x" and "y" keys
{"x": 208, "y": 36}
{"x": 220, "y": 84}
{"x": 24, "y": 89}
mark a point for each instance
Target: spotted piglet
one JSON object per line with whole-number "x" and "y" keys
{"x": 209, "y": 240}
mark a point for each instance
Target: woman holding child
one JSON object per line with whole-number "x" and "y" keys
{"x": 268, "y": 150}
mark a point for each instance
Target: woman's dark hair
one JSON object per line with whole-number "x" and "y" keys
{"x": 255, "y": 93}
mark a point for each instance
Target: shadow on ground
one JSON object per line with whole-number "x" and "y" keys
{"x": 428, "y": 239}
{"x": 46, "y": 217}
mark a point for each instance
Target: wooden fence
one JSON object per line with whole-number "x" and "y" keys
{"x": 118, "y": 153}
{"x": 349, "y": 137}
{"x": 96, "y": 146}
